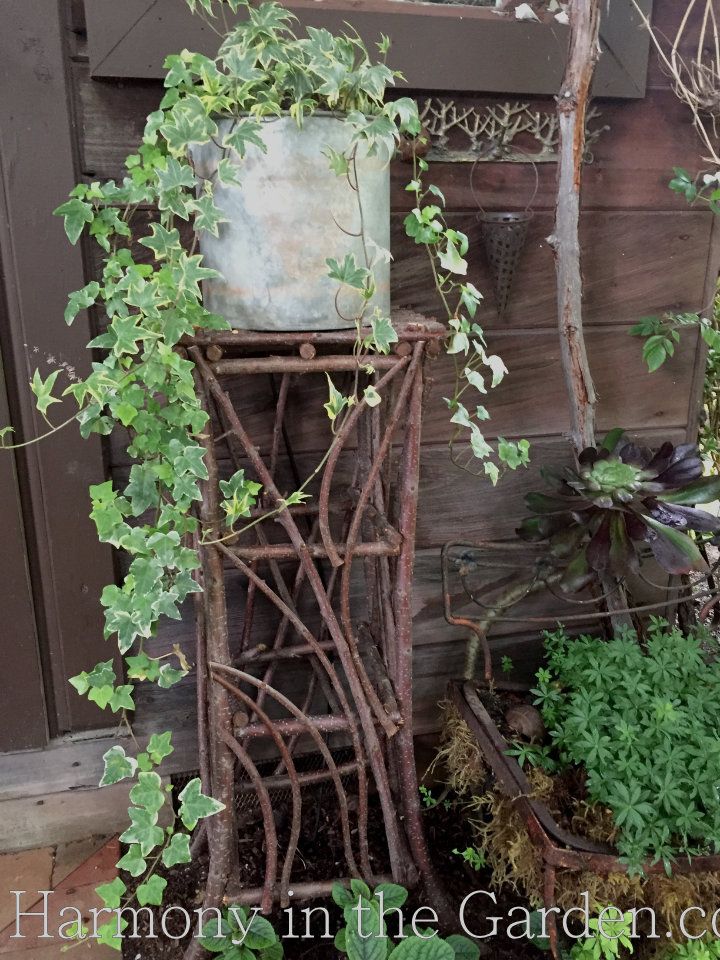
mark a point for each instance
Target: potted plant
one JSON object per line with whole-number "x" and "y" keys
{"x": 268, "y": 102}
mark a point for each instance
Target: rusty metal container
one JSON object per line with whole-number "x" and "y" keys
{"x": 288, "y": 215}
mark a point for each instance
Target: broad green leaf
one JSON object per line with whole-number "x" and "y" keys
{"x": 348, "y": 272}
{"x": 463, "y": 948}
{"x": 148, "y": 792}
{"x": 111, "y": 893}
{"x": 416, "y": 949}
{"x": 159, "y": 746}
{"x": 151, "y": 892}
{"x": 392, "y": 893}
{"x": 451, "y": 260}
{"x": 133, "y": 862}
{"x": 43, "y": 390}
{"x": 195, "y": 805}
{"x": 177, "y": 851}
{"x": 705, "y": 490}
{"x": 81, "y": 300}
{"x": 110, "y": 933}
{"x": 143, "y": 830}
{"x": 383, "y": 333}
{"x": 75, "y": 213}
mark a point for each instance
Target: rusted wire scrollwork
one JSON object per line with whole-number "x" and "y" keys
{"x": 321, "y": 662}
{"x": 488, "y": 585}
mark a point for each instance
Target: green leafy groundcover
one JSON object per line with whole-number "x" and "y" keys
{"x": 644, "y": 725}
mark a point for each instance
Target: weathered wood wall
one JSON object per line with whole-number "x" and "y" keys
{"x": 644, "y": 251}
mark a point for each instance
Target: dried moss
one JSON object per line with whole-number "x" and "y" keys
{"x": 500, "y": 833}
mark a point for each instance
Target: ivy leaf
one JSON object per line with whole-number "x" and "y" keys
{"x": 159, "y": 746}
{"x": 169, "y": 676}
{"x": 207, "y": 216}
{"x": 122, "y": 698}
{"x": 194, "y": 805}
{"x": 143, "y": 830}
{"x": 43, "y": 390}
{"x": 164, "y": 243}
{"x": 337, "y": 162}
{"x": 371, "y": 396}
{"x": 177, "y": 851}
{"x": 151, "y": 892}
{"x": 118, "y": 766}
{"x": 240, "y": 496}
{"x": 348, "y": 272}
{"x": 110, "y": 933}
{"x": 451, "y": 260}
{"x": 133, "y": 862}
{"x": 148, "y": 792}
{"x": 101, "y": 695}
{"x": 383, "y": 333}
{"x": 75, "y": 213}
{"x": 81, "y": 300}
{"x": 111, "y": 894}
{"x": 336, "y": 403}
{"x": 245, "y": 133}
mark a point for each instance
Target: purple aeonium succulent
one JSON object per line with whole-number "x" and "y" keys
{"x": 623, "y": 496}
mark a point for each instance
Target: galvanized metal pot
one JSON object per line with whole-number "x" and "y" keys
{"x": 290, "y": 213}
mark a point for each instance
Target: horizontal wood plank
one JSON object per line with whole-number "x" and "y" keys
{"x": 112, "y": 117}
{"x": 531, "y": 401}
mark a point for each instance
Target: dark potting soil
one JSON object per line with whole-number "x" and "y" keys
{"x": 320, "y": 855}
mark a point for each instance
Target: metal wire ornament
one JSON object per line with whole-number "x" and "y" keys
{"x": 504, "y": 235}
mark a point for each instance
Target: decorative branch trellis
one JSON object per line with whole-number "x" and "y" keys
{"x": 511, "y": 132}
{"x": 353, "y": 660}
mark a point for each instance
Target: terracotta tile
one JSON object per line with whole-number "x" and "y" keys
{"x": 69, "y": 856}
{"x": 77, "y": 890}
{"x": 29, "y": 870}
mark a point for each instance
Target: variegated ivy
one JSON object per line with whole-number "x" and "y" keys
{"x": 145, "y": 386}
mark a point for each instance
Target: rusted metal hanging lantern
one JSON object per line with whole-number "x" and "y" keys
{"x": 504, "y": 236}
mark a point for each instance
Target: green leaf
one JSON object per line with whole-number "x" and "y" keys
{"x": 177, "y": 851}
{"x": 151, "y": 892}
{"x": 463, "y": 948}
{"x": 337, "y": 162}
{"x": 118, "y": 766}
{"x": 383, "y": 333}
{"x": 371, "y": 396}
{"x": 451, "y": 260}
{"x": 393, "y": 895}
{"x": 705, "y": 490}
{"x": 133, "y": 862}
{"x": 194, "y": 805}
{"x": 43, "y": 390}
{"x": 111, "y": 894}
{"x": 240, "y": 496}
{"x": 81, "y": 300}
{"x": 143, "y": 830}
{"x": 148, "y": 792}
{"x": 76, "y": 213}
{"x": 336, "y": 402}
{"x": 416, "y": 949}
{"x": 110, "y": 933}
{"x": 159, "y": 746}
{"x": 164, "y": 243}
{"x": 348, "y": 272}
{"x": 260, "y": 934}
{"x": 245, "y": 133}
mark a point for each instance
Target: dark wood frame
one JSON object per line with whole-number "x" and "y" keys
{"x": 485, "y": 52}
{"x": 68, "y": 567}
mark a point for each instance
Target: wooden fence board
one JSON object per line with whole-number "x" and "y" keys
{"x": 530, "y": 401}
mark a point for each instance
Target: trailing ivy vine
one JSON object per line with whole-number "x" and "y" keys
{"x": 144, "y": 384}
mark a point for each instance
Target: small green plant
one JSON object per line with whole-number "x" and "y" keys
{"x": 610, "y": 934}
{"x": 236, "y": 937}
{"x": 430, "y": 801}
{"x": 365, "y": 935}
{"x": 705, "y": 187}
{"x": 507, "y": 665}
{"x": 471, "y": 856}
{"x": 643, "y": 724}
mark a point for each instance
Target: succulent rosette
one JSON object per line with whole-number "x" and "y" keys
{"x": 622, "y": 499}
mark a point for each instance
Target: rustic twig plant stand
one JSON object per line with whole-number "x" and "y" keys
{"x": 339, "y": 668}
